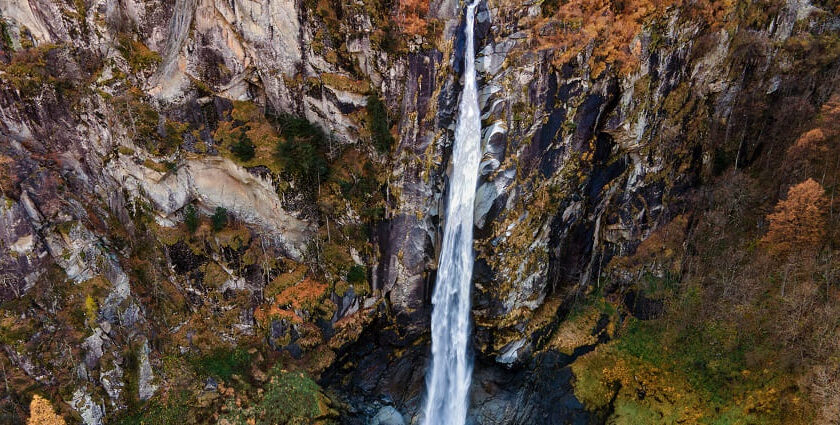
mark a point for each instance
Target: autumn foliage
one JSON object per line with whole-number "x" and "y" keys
{"x": 830, "y": 116}
{"x": 304, "y": 295}
{"x": 804, "y": 157}
{"x": 296, "y": 297}
{"x": 41, "y": 413}
{"x": 611, "y": 27}
{"x": 411, "y": 16}
{"x": 798, "y": 222}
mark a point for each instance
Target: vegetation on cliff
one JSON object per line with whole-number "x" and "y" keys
{"x": 739, "y": 299}
{"x": 718, "y": 306}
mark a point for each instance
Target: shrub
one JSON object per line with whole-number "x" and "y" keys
{"x": 243, "y": 148}
{"x": 300, "y": 151}
{"x": 155, "y": 413}
{"x": 191, "y": 219}
{"x": 222, "y": 363}
{"x": 301, "y": 159}
{"x": 138, "y": 56}
{"x": 303, "y": 296}
{"x": 91, "y": 311}
{"x": 219, "y": 219}
{"x": 141, "y": 119}
{"x": 411, "y": 16}
{"x": 571, "y": 25}
{"x": 357, "y": 274}
{"x": 30, "y": 70}
{"x": 291, "y": 397}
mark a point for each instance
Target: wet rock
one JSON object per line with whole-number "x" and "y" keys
{"x": 387, "y": 415}
{"x": 511, "y": 352}
{"x": 643, "y": 307}
{"x": 541, "y": 392}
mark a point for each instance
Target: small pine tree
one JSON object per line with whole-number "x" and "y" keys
{"x": 798, "y": 222}
{"x": 219, "y": 219}
{"x": 191, "y": 219}
{"x": 244, "y": 148}
{"x": 302, "y": 159}
{"x": 379, "y": 123}
{"x": 357, "y": 274}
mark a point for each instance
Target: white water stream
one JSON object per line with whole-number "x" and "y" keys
{"x": 448, "y": 381}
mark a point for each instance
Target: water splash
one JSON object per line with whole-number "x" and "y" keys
{"x": 448, "y": 381}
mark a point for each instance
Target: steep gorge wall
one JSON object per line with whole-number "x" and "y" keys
{"x": 580, "y": 164}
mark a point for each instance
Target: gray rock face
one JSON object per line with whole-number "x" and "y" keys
{"x": 112, "y": 382}
{"x": 91, "y": 412}
{"x": 387, "y": 415}
{"x": 576, "y": 168}
{"x": 23, "y": 259}
{"x": 215, "y": 182}
{"x": 145, "y": 377}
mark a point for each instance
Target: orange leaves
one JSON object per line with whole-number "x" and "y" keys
{"x": 609, "y": 26}
{"x": 809, "y": 143}
{"x": 411, "y": 16}
{"x": 798, "y": 222}
{"x": 304, "y": 295}
{"x": 815, "y": 152}
{"x": 41, "y": 413}
{"x": 810, "y": 138}
{"x": 348, "y": 328}
{"x": 804, "y": 156}
{"x": 830, "y": 116}
{"x": 275, "y": 311}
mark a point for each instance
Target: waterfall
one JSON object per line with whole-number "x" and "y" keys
{"x": 448, "y": 380}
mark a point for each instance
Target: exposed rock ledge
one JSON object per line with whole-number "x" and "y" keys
{"x": 213, "y": 182}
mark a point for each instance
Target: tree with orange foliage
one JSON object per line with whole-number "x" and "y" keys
{"x": 798, "y": 222}
{"x": 41, "y": 413}
{"x": 830, "y": 116}
{"x": 803, "y": 156}
{"x": 411, "y": 16}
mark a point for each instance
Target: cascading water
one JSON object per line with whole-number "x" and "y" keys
{"x": 448, "y": 381}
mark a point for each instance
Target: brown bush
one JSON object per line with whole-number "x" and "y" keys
{"x": 411, "y": 16}
{"x": 803, "y": 157}
{"x": 829, "y": 119}
{"x": 41, "y": 413}
{"x": 798, "y": 222}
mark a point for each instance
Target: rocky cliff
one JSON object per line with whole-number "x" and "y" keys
{"x": 222, "y": 207}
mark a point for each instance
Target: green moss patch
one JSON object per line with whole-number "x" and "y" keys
{"x": 697, "y": 376}
{"x": 288, "y": 398}
{"x": 223, "y": 363}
